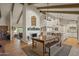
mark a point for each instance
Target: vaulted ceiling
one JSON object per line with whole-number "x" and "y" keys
{"x": 5, "y": 8}
{"x": 16, "y": 9}
{"x": 58, "y": 8}
{"x": 51, "y": 8}
{"x": 43, "y": 7}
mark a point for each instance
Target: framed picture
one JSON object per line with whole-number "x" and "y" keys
{"x": 33, "y": 21}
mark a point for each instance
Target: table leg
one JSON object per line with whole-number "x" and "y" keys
{"x": 43, "y": 49}
{"x": 32, "y": 43}
{"x": 49, "y": 51}
{"x": 60, "y": 44}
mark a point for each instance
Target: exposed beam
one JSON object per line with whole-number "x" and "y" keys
{"x": 27, "y": 3}
{"x": 19, "y": 16}
{"x": 67, "y": 12}
{"x": 12, "y": 7}
{"x": 31, "y": 3}
{"x": 75, "y": 5}
{"x": 43, "y": 12}
{"x": 22, "y": 3}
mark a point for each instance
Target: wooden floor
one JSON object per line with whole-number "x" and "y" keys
{"x": 72, "y": 41}
{"x": 14, "y": 47}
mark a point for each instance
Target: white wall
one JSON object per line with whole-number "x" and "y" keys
{"x": 78, "y": 29}
{"x": 67, "y": 34}
{"x": 31, "y": 11}
{"x": 5, "y": 9}
{"x": 2, "y": 21}
{"x": 16, "y": 13}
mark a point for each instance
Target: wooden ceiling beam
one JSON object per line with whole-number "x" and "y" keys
{"x": 22, "y": 3}
{"x": 19, "y": 16}
{"x": 75, "y": 5}
{"x": 27, "y": 3}
{"x": 31, "y": 3}
{"x": 67, "y": 12}
{"x": 12, "y": 7}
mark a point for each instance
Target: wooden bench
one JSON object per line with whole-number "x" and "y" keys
{"x": 54, "y": 41}
{"x": 52, "y": 44}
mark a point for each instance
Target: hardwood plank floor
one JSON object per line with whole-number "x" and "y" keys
{"x": 72, "y": 41}
{"x": 12, "y": 47}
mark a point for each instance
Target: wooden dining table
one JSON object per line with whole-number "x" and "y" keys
{"x": 36, "y": 39}
{"x": 45, "y": 45}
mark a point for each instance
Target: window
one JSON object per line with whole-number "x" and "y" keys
{"x": 33, "y": 21}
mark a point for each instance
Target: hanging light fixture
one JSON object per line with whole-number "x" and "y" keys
{"x": 46, "y": 13}
{"x": 61, "y": 19}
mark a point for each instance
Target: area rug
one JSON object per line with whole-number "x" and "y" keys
{"x": 64, "y": 51}
{"x": 28, "y": 51}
